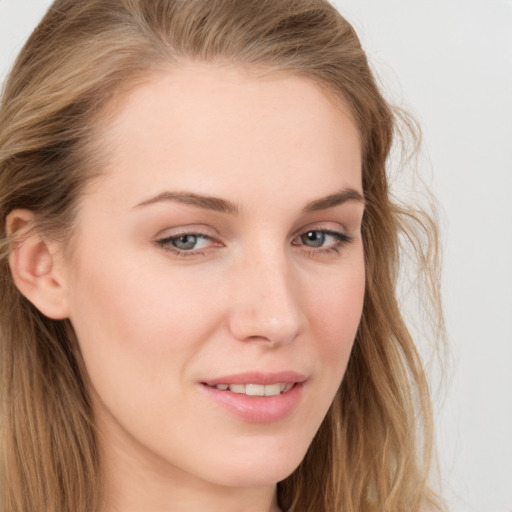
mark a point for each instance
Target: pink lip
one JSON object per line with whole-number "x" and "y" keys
{"x": 257, "y": 378}
{"x": 257, "y": 409}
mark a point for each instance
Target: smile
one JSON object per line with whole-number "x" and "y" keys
{"x": 255, "y": 396}
{"x": 256, "y": 389}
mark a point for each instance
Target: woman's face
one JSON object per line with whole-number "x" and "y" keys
{"x": 220, "y": 247}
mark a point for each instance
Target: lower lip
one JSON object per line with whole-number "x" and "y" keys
{"x": 258, "y": 409}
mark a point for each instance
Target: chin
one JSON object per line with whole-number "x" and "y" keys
{"x": 258, "y": 468}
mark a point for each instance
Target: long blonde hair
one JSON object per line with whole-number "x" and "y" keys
{"x": 373, "y": 450}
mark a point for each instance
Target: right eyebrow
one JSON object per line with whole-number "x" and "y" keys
{"x": 207, "y": 202}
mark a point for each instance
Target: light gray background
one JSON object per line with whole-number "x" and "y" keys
{"x": 449, "y": 62}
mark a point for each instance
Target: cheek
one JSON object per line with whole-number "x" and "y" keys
{"x": 335, "y": 314}
{"x": 132, "y": 320}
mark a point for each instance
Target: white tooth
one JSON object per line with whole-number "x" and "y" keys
{"x": 237, "y": 388}
{"x": 281, "y": 387}
{"x": 288, "y": 387}
{"x": 255, "y": 389}
{"x": 222, "y": 387}
{"x": 272, "y": 389}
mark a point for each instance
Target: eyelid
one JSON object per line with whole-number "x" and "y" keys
{"x": 186, "y": 229}
{"x": 325, "y": 227}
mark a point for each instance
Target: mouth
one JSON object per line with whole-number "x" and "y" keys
{"x": 251, "y": 389}
{"x": 257, "y": 397}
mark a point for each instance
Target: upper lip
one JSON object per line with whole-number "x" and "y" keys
{"x": 256, "y": 377}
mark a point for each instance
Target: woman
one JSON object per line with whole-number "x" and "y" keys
{"x": 199, "y": 260}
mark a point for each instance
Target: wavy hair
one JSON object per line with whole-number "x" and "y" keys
{"x": 373, "y": 450}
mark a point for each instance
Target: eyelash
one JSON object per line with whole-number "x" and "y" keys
{"x": 342, "y": 240}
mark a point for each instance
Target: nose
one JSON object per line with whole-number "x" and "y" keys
{"x": 266, "y": 302}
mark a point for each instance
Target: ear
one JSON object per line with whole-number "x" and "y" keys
{"x": 37, "y": 266}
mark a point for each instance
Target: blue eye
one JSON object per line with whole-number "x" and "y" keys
{"x": 186, "y": 242}
{"x": 323, "y": 239}
{"x": 194, "y": 244}
{"x": 314, "y": 238}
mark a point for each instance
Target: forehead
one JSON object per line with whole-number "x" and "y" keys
{"x": 205, "y": 126}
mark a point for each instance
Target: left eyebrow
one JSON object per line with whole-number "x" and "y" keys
{"x": 345, "y": 195}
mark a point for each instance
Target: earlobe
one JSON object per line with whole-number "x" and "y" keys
{"x": 36, "y": 266}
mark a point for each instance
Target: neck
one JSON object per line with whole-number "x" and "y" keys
{"x": 135, "y": 495}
